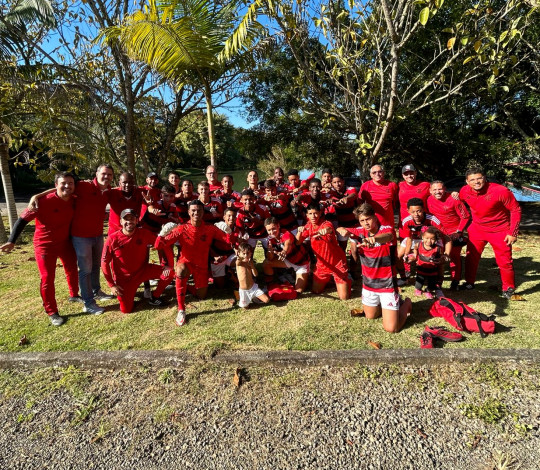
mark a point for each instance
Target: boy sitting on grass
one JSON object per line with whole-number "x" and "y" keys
{"x": 377, "y": 252}
{"x": 331, "y": 259}
{"x": 245, "y": 271}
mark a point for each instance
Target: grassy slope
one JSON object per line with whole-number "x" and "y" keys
{"x": 311, "y": 322}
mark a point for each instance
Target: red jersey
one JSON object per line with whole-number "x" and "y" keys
{"x": 153, "y": 193}
{"x": 154, "y": 222}
{"x": 427, "y": 263}
{"x": 89, "y": 209}
{"x": 453, "y": 214}
{"x": 414, "y": 231}
{"x": 379, "y": 272}
{"x": 215, "y": 187}
{"x": 124, "y": 256}
{"x": 382, "y": 197}
{"x": 213, "y": 210}
{"x": 118, "y": 201}
{"x": 326, "y": 248}
{"x": 298, "y": 255}
{"x": 407, "y": 191}
{"x": 281, "y": 210}
{"x": 53, "y": 220}
{"x": 494, "y": 208}
{"x": 194, "y": 241}
{"x": 252, "y": 223}
{"x": 343, "y": 213}
{"x": 233, "y": 196}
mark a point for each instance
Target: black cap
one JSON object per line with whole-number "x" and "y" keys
{"x": 151, "y": 175}
{"x": 128, "y": 212}
{"x": 407, "y": 168}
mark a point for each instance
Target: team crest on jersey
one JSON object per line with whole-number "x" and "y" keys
{"x": 488, "y": 197}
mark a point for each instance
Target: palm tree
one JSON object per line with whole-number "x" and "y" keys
{"x": 190, "y": 41}
{"x": 13, "y": 29}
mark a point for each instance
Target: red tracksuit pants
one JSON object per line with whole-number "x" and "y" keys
{"x": 46, "y": 258}
{"x": 478, "y": 239}
{"x": 130, "y": 285}
{"x": 455, "y": 263}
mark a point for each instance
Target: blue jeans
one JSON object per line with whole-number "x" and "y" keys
{"x": 88, "y": 250}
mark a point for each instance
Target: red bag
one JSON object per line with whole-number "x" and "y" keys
{"x": 284, "y": 291}
{"x": 463, "y": 317}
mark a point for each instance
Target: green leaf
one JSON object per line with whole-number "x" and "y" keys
{"x": 424, "y": 16}
{"x": 464, "y": 41}
{"x": 439, "y": 3}
{"x": 468, "y": 59}
{"x": 448, "y": 30}
{"x": 477, "y": 45}
{"x": 503, "y": 35}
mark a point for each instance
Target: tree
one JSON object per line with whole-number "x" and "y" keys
{"x": 194, "y": 42}
{"x": 13, "y": 33}
{"x": 369, "y": 65}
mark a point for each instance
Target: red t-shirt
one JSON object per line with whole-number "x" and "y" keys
{"x": 118, "y": 202}
{"x": 407, "y": 191}
{"x": 233, "y": 196}
{"x": 494, "y": 208}
{"x": 379, "y": 272}
{"x": 194, "y": 241}
{"x": 414, "y": 230}
{"x": 252, "y": 223}
{"x": 382, "y": 197}
{"x": 124, "y": 256}
{"x": 89, "y": 209}
{"x": 154, "y": 222}
{"x": 426, "y": 264}
{"x": 215, "y": 187}
{"x": 298, "y": 255}
{"x": 453, "y": 214}
{"x": 326, "y": 248}
{"x": 53, "y": 220}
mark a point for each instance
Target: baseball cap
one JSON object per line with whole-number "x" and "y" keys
{"x": 407, "y": 168}
{"x": 128, "y": 212}
{"x": 151, "y": 175}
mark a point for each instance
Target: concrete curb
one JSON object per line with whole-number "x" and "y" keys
{"x": 178, "y": 359}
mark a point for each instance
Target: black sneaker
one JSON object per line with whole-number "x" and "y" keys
{"x": 100, "y": 295}
{"x": 508, "y": 293}
{"x": 466, "y": 286}
{"x": 156, "y": 302}
{"x": 56, "y": 319}
{"x": 76, "y": 298}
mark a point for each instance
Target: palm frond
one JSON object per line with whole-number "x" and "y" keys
{"x": 27, "y": 11}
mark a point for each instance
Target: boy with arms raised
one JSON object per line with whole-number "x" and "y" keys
{"x": 331, "y": 259}
{"x": 377, "y": 252}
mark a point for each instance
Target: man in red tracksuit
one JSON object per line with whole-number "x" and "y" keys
{"x": 125, "y": 262}
{"x": 195, "y": 238}
{"x": 51, "y": 241}
{"x": 454, "y": 217}
{"x": 126, "y": 196}
{"x": 495, "y": 220}
{"x": 381, "y": 194}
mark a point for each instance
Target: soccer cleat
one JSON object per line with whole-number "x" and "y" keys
{"x": 56, "y": 319}
{"x": 76, "y": 298}
{"x": 508, "y": 293}
{"x": 428, "y": 295}
{"x": 100, "y": 295}
{"x": 156, "y": 302}
{"x": 180, "y": 318}
{"x": 466, "y": 286}
{"x": 442, "y": 333}
{"x": 418, "y": 292}
{"x": 147, "y": 293}
{"x": 426, "y": 340}
{"x": 93, "y": 309}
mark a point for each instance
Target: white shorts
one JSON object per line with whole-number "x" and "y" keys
{"x": 219, "y": 270}
{"x": 298, "y": 269}
{"x": 246, "y": 296}
{"x": 387, "y": 300}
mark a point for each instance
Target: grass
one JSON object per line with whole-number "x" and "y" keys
{"x": 308, "y": 323}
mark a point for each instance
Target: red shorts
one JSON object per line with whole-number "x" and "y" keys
{"x": 322, "y": 275}
{"x": 200, "y": 274}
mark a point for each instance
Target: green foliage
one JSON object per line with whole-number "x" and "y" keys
{"x": 491, "y": 411}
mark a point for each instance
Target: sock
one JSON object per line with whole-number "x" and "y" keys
{"x": 181, "y": 285}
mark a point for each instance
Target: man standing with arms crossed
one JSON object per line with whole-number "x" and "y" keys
{"x": 51, "y": 241}
{"x": 495, "y": 220}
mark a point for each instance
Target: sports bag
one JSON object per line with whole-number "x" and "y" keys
{"x": 281, "y": 291}
{"x": 463, "y": 317}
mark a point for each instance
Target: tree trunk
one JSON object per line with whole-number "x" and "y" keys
{"x": 210, "y": 117}
{"x": 6, "y": 181}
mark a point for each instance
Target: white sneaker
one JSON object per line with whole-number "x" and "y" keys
{"x": 180, "y": 318}
{"x": 147, "y": 293}
{"x": 93, "y": 309}
{"x": 153, "y": 282}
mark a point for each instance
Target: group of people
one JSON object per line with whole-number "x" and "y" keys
{"x": 301, "y": 225}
